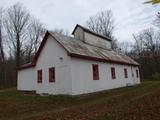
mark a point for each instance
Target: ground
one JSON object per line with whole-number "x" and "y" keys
{"x": 141, "y": 102}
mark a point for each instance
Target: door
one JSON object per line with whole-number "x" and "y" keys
{"x": 133, "y": 75}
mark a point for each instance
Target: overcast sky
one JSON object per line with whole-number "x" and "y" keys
{"x": 130, "y": 16}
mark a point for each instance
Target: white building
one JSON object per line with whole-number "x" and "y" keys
{"x": 76, "y": 65}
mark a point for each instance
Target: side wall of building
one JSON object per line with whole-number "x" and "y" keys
{"x": 26, "y": 79}
{"x": 82, "y": 76}
{"x": 53, "y": 55}
{"x": 91, "y": 39}
{"x": 96, "y": 41}
{"x": 79, "y": 34}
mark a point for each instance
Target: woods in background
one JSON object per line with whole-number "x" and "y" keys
{"x": 20, "y": 34}
{"x": 146, "y": 51}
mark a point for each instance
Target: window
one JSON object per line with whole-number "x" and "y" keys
{"x": 125, "y": 73}
{"x": 39, "y": 76}
{"x": 52, "y": 74}
{"x": 137, "y": 73}
{"x": 95, "y": 72}
{"x": 113, "y": 74}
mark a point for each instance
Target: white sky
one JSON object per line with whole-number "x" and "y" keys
{"x": 130, "y": 16}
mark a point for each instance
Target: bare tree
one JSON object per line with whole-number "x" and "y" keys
{"x": 103, "y": 23}
{"x": 147, "y": 41}
{"x": 125, "y": 46}
{"x": 114, "y": 44}
{"x": 16, "y": 23}
{"x": 22, "y": 34}
{"x": 36, "y": 32}
{"x": 147, "y": 51}
{"x": 2, "y": 67}
{"x": 1, "y": 43}
{"x": 138, "y": 46}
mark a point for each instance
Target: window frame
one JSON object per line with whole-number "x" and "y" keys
{"x": 113, "y": 73}
{"x": 51, "y": 73}
{"x": 125, "y": 73}
{"x": 39, "y": 76}
{"x": 95, "y": 71}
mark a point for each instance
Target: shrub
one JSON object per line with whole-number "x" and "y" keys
{"x": 156, "y": 76}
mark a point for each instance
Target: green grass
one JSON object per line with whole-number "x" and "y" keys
{"x": 139, "y": 102}
{"x": 21, "y": 96}
{"x": 15, "y": 104}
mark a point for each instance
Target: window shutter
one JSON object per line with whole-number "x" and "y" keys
{"x": 95, "y": 70}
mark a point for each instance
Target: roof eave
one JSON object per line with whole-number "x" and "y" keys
{"x": 25, "y": 66}
{"x": 100, "y": 59}
{"x": 34, "y": 61}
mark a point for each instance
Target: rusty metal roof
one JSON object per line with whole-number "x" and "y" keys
{"x": 77, "y": 48}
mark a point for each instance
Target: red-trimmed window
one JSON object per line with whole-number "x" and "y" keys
{"x": 52, "y": 74}
{"x": 113, "y": 73}
{"x": 95, "y": 71}
{"x": 125, "y": 73}
{"x": 39, "y": 76}
{"x": 137, "y": 73}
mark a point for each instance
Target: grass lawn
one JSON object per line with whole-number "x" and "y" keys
{"x": 141, "y": 102}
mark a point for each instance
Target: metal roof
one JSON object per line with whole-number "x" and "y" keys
{"x": 77, "y": 48}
